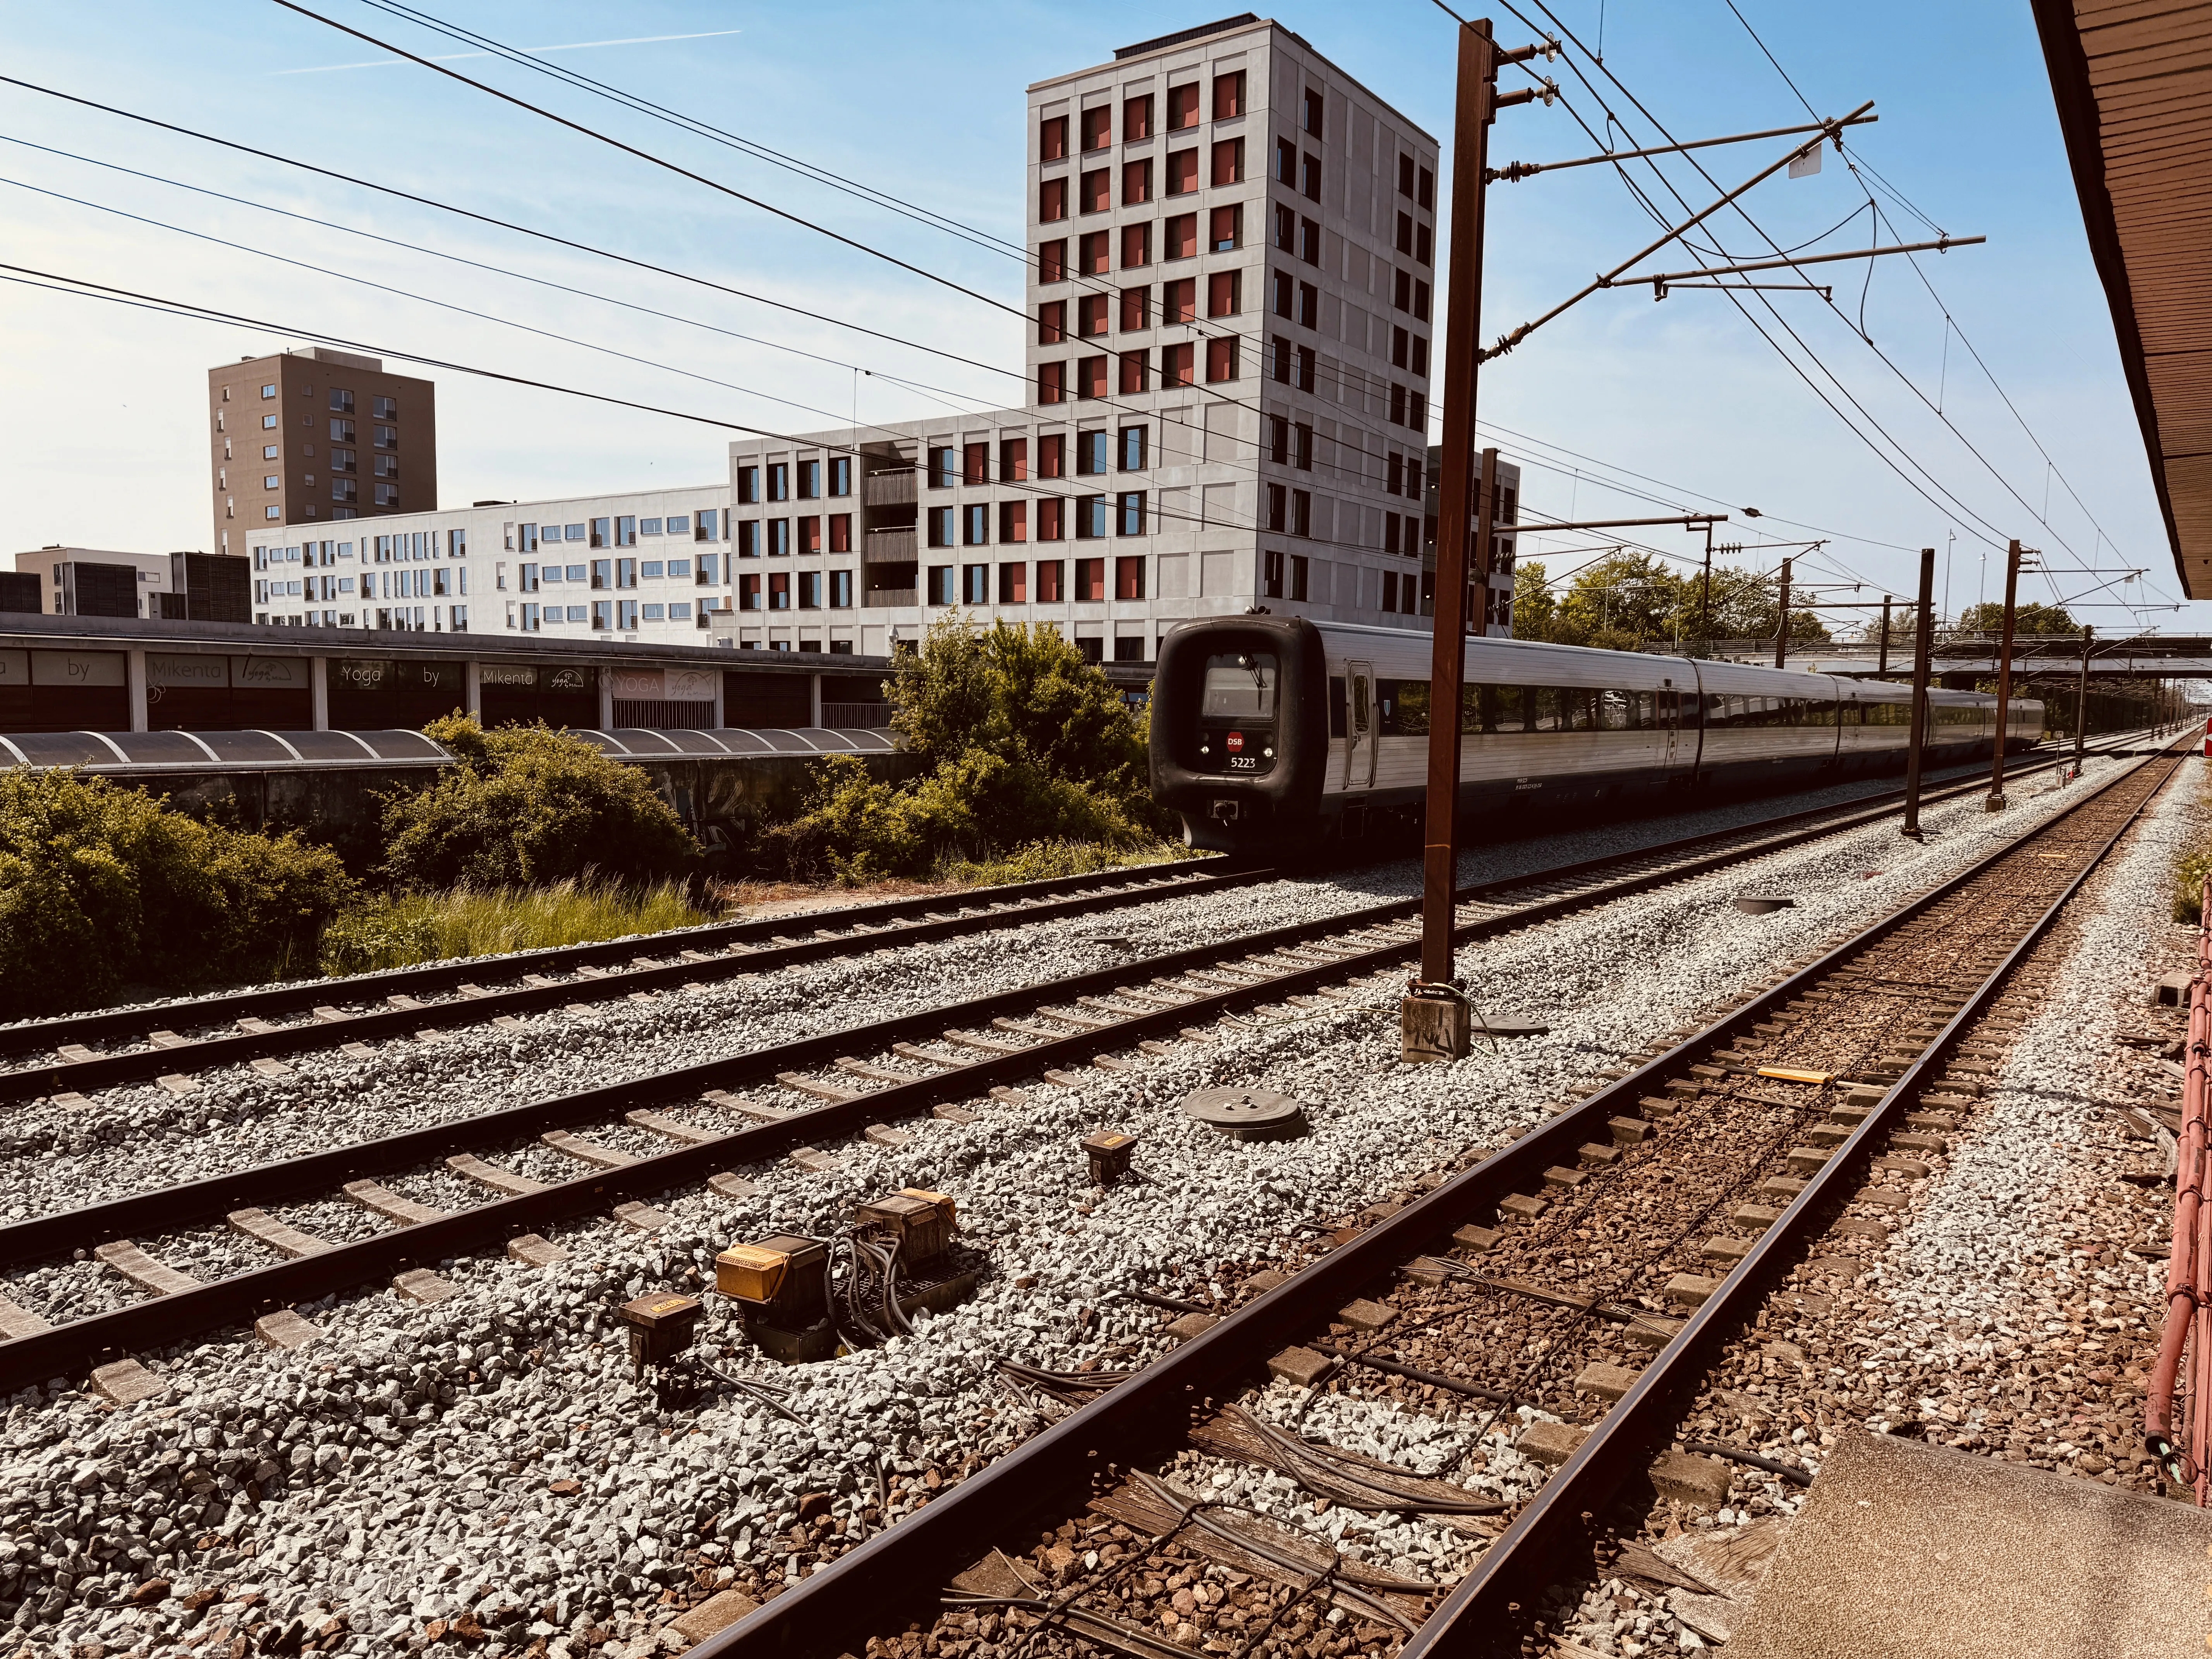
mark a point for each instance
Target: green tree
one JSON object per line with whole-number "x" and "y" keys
{"x": 528, "y": 806}
{"x": 1027, "y": 743}
{"x": 2044, "y": 619}
{"x": 1533, "y": 603}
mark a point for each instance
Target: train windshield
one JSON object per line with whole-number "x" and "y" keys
{"x": 1240, "y": 686}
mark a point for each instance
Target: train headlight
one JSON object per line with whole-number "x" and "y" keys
{"x": 1269, "y": 753}
{"x": 1203, "y": 749}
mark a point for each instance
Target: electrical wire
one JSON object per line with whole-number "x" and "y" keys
{"x": 647, "y": 155}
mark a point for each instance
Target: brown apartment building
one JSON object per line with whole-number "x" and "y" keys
{"x": 306, "y": 437}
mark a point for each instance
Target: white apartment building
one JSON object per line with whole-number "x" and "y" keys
{"x": 1232, "y": 295}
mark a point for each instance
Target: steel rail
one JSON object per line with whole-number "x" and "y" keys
{"x": 1550, "y": 1532}
{"x": 33, "y": 1035}
{"x": 160, "y": 1320}
{"x": 899, "y": 1571}
{"x": 206, "y": 1053}
{"x": 214, "y": 1196}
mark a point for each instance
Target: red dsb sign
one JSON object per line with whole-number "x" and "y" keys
{"x": 1236, "y": 742}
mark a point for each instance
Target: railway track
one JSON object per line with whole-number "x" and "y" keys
{"x": 77, "y": 1053}
{"x": 1566, "y": 1293}
{"x": 612, "y": 1149}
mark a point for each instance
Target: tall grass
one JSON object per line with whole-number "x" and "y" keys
{"x": 405, "y": 928}
{"x": 1041, "y": 860}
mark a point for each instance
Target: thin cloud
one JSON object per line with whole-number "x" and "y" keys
{"x": 456, "y": 56}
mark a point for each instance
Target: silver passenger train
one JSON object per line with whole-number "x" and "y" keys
{"x": 1277, "y": 732}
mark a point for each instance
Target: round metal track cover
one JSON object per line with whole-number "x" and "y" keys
{"x": 1247, "y": 1113}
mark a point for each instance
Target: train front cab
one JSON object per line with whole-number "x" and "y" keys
{"x": 1240, "y": 729}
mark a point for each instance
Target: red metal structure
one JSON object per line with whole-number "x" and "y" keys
{"x": 2189, "y": 1268}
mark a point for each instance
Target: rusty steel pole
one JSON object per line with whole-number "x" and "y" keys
{"x": 1996, "y": 800}
{"x": 1782, "y": 634}
{"x": 2081, "y": 701}
{"x": 1924, "y": 648}
{"x": 1433, "y": 1019}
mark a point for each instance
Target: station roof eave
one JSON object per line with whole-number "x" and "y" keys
{"x": 2132, "y": 80}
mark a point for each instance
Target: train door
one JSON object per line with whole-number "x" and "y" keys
{"x": 1359, "y": 726}
{"x": 1670, "y": 728}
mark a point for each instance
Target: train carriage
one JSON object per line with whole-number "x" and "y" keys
{"x": 1277, "y": 731}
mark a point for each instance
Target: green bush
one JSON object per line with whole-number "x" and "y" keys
{"x": 101, "y": 884}
{"x": 1027, "y": 744}
{"x": 527, "y": 807}
{"x": 2189, "y": 873}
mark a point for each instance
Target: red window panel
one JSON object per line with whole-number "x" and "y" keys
{"x": 1051, "y": 526}
{"x": 1098, "y": 127}
{"x": 1179, "y": 301}
{"x": 809, "y": 533}
{"x": 1183, "y": 107}
{"x": 1181, "y": 242}
{"x": 1013, "y": 460}
{"x": 1129, "y": 578}
{"x": 1091, "y": 377}
{"x": 1136, "y": 372}
{"x": 1090, "y": 581}
{"x": 1136, "y": 309}
{"x": 779, "y": 591}
{"x": 1098, "y": 193}
{"x": 1136, "y": 246}
{"x": 1051, "y": 383}
{"x": 975, "y": 463}
{"x": 1052, "y": 261}
{"x": 1224, "y": 294}
{"x": 1176, "y": 363}
{"x": 1052, "y": 322}
{"x": 1052, "y": 138}
{"x": 1090, "y": 315}
{"x": 1229, "y": 161}
{"x": 841, "y": 532}
{"x": 1229, "y": 95}
{"x": 1052, "y": 455}
{"x": 1052, "y": 199}
{"x": 1014, "y": 584}
{"x": 1013, "y": 521}
{"x": 1049, "y": 590}
{"x": 749, "y": 592}
{"x": 1182, "y": 172}
{"x": 1137, "y": 118}
{"x": 1221, "y": 360}
{"x": 1097, "y": 246}
{"x": 1136, "y": 183}
{"x": 1225, "y": 228}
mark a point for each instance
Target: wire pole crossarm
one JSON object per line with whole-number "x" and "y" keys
{"x": 1671, "y": 278}
{"x": 1506, "y": 343}
{"x": 1687, "y": 520}
{"x": 1520, "y": 170}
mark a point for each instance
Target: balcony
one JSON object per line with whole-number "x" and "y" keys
{"x": 890, "y": 488}
{"x": 889, "y": 599}
{"x": 890, "y": 546}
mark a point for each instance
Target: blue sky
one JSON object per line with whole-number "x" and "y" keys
{"x": 104, "y": 428}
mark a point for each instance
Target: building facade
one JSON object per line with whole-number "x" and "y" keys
{"x": 316, "y": 437}
{"x": 90, "y": 581}
{"x": 1231, "y": 298}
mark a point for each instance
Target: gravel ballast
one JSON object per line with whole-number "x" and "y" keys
{"x": 414, "y": 1467}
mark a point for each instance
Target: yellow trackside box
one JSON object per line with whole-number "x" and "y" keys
{"x": 922, "y": 1221}
{"x": 772, "y": 1273}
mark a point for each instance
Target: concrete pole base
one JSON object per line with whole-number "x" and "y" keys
{"x": 1994, "y": 803}
{"x": 1433, "y": 1028}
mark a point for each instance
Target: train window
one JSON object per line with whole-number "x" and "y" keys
{"x": 1404, "y": 706}
{"x": 1336, "y": 705}
{"x": 1240, "y": 686}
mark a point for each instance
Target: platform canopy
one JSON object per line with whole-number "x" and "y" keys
{"x": 2133, "y": 82}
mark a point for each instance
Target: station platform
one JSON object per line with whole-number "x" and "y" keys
{"x": 1903, "y": 1550}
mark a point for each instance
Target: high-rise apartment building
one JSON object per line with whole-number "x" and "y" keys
{"x": 307, "y": 437}
{"x": 1231, "y": 297}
